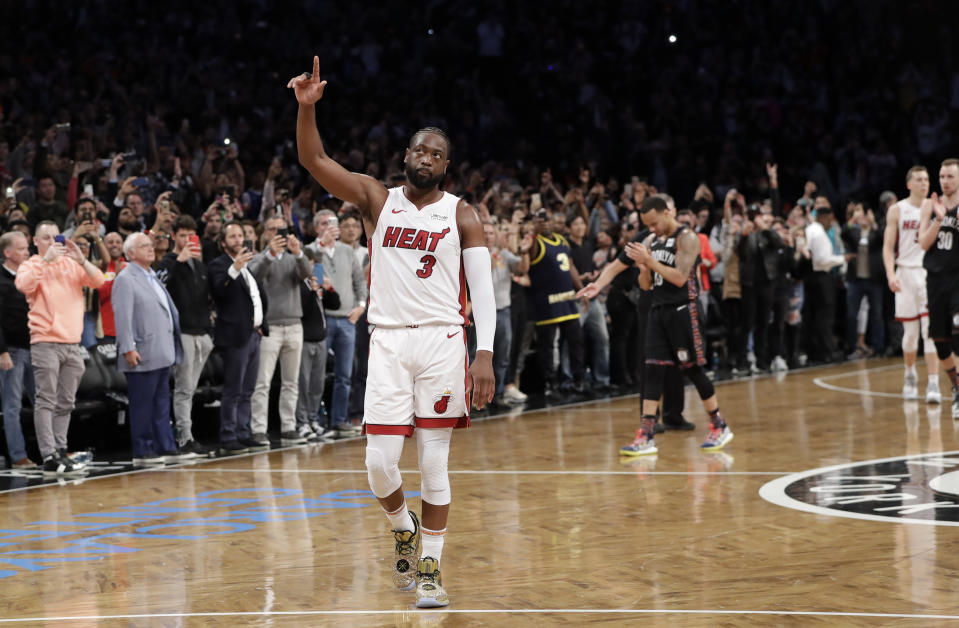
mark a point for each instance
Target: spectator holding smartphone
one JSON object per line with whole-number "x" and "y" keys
{"x": 52, "y": 281}
{"x": 281, "y": 267}
{"x": 185, "y": 275}
{"x": 346, "y": 274}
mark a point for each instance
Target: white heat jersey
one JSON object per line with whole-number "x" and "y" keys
{"x": 910, "y": 253}
{"x": 416, "y": 269}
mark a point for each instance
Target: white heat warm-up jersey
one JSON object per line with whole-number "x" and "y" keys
{"x": 910, "y": 253}
{"x": 416, "y": 269}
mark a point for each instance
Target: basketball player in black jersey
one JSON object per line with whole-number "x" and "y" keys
{"x": 667, "y": 262}
{"x": 673, "y": 393}
{"x": 939, "y": 237}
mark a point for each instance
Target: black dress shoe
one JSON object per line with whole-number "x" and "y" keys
{"x": 684, "y": 426}
{"x": 658, "y": 428}
{"x": 255, "y": 442}
{"x": 233, "y": 448}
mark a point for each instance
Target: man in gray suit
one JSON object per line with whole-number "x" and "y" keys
{"x": 148, "y": 337}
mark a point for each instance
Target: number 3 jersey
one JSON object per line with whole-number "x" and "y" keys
{"x": 416, "y": 268}
{"x": 943, "y": 255}
{"x": 552, "y": 296}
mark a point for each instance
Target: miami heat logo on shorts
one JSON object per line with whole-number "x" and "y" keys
{"x": 441, "y": 403}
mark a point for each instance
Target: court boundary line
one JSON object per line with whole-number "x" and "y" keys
{"x": 200, "y": 461}
{"x": 820, "y": 381}
{"x": 483, "y": 472}
{"x": 524, "y": 611}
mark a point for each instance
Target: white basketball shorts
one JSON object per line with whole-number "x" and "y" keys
{"x": 911, "y": 300}
{"x": 416, "y": 378}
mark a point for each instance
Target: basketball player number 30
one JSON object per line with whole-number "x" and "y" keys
{"x": 428, "y": 262}
{"x": 945, "y": 240}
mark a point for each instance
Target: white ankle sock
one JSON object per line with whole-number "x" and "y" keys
{"x": 432, "y": 543}
{"x": 911, "y": 371}
{"x": 400, "y": 518}
{"x": 934, "y": 379}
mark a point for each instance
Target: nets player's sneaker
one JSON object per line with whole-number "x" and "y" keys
{"x": 910, "y": 387}
{"x": 717, "y": 438}
{"x": 429, "y": 584}
{"x": 642, "y": 445}
{"x": 406, "y": 553}
{"x": 932, "y": 392}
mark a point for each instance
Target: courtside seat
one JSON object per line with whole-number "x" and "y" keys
{"x": 91, "y": 399}
{"x": 210, "y": 386}
{"x": 116, "y": 380}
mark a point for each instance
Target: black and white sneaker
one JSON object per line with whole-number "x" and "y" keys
{"x": 56, "y": 465}
{"x": 955, "y": 403}
{"x": 307, "y": 432}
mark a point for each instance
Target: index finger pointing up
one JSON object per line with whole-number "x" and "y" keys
{"x": 316, "y": 67}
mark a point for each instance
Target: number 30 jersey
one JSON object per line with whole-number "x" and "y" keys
{"x": 416, "y": 267}
{"x": 943, "y": 255}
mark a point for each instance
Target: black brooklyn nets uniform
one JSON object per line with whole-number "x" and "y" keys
{"x": 941, "y": 262}
{"x": 673, "y": 334}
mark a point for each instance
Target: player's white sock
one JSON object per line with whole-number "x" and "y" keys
{"x": 432, "y": 543}
{"x": 934, "y": 378}
{"x": 400, "y": 518}
{"x": 911, "y": 371}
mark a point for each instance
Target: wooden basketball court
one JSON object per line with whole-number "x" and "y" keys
{"x": 548, "y": 526}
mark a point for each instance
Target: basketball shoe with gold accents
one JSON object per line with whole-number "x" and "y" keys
{"x": 429, "y": 584}
{"x": 406, "y": 554}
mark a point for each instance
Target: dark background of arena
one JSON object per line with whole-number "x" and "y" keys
{"x": 849, "y": 93}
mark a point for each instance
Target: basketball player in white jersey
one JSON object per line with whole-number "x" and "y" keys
{"x": 907, "y": 279}
{"x": 424, "y": 245}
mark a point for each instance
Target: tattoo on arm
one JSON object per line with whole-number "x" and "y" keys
{"x": 687, "y": 250}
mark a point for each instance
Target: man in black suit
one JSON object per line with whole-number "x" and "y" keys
{"x": 241, "y": 321}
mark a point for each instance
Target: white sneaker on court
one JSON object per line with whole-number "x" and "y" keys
{"x": 910, "y": 387}
{"x": 932, "y": 392}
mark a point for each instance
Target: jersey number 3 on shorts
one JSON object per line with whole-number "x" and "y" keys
{"x": 428, "y": 262}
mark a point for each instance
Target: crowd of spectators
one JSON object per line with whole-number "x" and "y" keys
{"x": 757, "y": 128}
